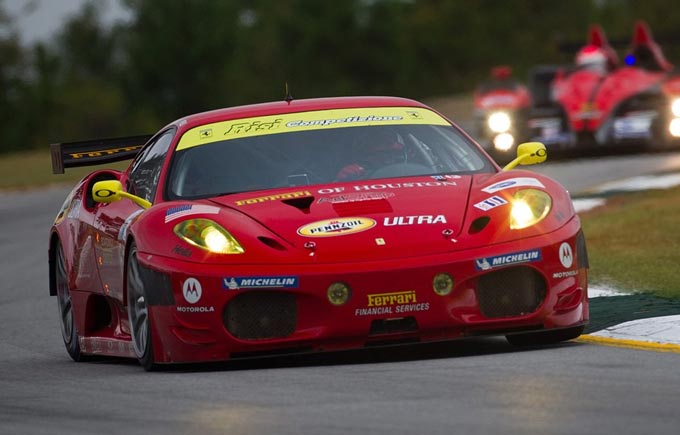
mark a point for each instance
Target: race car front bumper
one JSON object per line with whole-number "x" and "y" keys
{"x": 214, "y": 313}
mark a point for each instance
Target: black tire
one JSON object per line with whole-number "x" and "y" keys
{"x": 65, "y": 306}
{"x": 138, "y": 313}
{"x": 545, "y": 337}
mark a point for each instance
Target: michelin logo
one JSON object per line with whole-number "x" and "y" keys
{"x": 507, "y": 259}
{"x": 236, "y": 283}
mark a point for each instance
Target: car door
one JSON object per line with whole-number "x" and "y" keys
{"x": 112, "y": 219}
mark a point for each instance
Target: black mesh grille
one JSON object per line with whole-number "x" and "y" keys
{"x": 259, "y": 315}
{"x": 510, "y": 292}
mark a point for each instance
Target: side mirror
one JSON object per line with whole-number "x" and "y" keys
{"x": 528, "y": 153}
{"x": 112, "y": 191}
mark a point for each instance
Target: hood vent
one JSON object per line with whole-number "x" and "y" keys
{"x": 301, "y": 204}
{"x": 271, "y": 243}
{"x": 358, "y": 208}
{"x": 479, "y": 224}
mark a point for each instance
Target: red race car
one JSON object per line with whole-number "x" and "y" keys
{"x": 502, "y": 105}
{"x": 600, "y": 102}
{"x": 310, "y": 225}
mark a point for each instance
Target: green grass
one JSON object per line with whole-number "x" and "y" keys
{"x": 634, "y": 242}
{"x": 34, "y": 168}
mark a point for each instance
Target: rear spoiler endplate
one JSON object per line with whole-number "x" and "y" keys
{"x": 95, "y": 152}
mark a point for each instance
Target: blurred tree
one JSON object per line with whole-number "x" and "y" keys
{"x": 175, "y": 57}
{"x": 13, "y": 72}
{"x": 81, "y": 94}
{"x": 176, "y": 53}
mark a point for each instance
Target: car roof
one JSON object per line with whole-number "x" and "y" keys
{"x": 293, "y": 106}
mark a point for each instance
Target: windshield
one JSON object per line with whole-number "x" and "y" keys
{"x": 321, "y": 156}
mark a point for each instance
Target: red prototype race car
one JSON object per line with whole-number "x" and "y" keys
{"x": 502, "y": 106}
{"x": 600, "y": 102}
{"x": 310, "y": 225}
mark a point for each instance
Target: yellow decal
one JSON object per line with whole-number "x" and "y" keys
{"x": 382, "y": 299}
{"x": 287, "y": 195}
{"x": 305, "y": 121}
{"x": 336, "y": 227}
{"x": 108, "y": 152}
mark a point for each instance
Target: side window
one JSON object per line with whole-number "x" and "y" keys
{"x": 146, "y": 169}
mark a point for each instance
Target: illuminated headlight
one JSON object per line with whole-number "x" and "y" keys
{"x": 529, "y": 206}
{"x": 675, "y": 107}
{"x": 338, "y": 293}
{"x": 674, "y": 127}
{"x": 503, "y": 141}
{"x": 208, "y": 235}
{"x": 442, "y": 284}
{"x": 499, "y": 122}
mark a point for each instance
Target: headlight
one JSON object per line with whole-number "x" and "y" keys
{"x": 674, "y": 127}
{"x": 499, "y": 122}
{"x": 675, "y": 107}
{"x": 503, "y": 141}
{"x": 208, "y": 235}
{"x": 529, "y": 206}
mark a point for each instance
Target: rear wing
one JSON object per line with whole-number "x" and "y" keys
{"x": 95, "y": 152}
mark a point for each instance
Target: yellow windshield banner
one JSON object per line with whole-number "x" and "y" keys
{"x": 305, "y": 121}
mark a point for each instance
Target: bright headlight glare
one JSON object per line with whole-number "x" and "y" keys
{"x": 529, "y": 206}
{"x": 503, "y": 141}
{"x": 674, "y": 127}
{"x": 675, "y": 107}
{"x": 499, "y": 122}
{"x": 208, "y": 235}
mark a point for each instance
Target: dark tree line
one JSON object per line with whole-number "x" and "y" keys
{"x": 176, "y": 57}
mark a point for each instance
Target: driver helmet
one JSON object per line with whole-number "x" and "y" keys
{"x": 383, "y": 149}
{"x": 593, "y": 58}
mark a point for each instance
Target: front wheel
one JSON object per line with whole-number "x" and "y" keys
{"x": 138, "y": 312}
{"x": 65, "y": 305}
{"x": 545, "y": 337}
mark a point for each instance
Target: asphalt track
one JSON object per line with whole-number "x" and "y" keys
{"x": 478, "y": 386}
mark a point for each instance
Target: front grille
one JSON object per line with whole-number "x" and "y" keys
{"x": 393, "y": 326}
{"x": 510, "y": 292}
{"x": 261, "y": 315}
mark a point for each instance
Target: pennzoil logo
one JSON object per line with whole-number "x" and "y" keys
{"x": 394, "y": 298}
{"x": 336, "y": 227}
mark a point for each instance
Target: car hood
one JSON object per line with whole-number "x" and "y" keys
{"x": 373, "y": 219}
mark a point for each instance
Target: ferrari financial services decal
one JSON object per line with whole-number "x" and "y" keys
{"x": 391, "y": 303}
{"x": 507, "y": 259}
{"x": 490, "y": 203}
{"x": 513, "y": 182}
{"x": 185, "y": 210}
{"x": 240, "y": 282}
{"x": 305, "y": 121}
{"x": 336, "y": 227}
